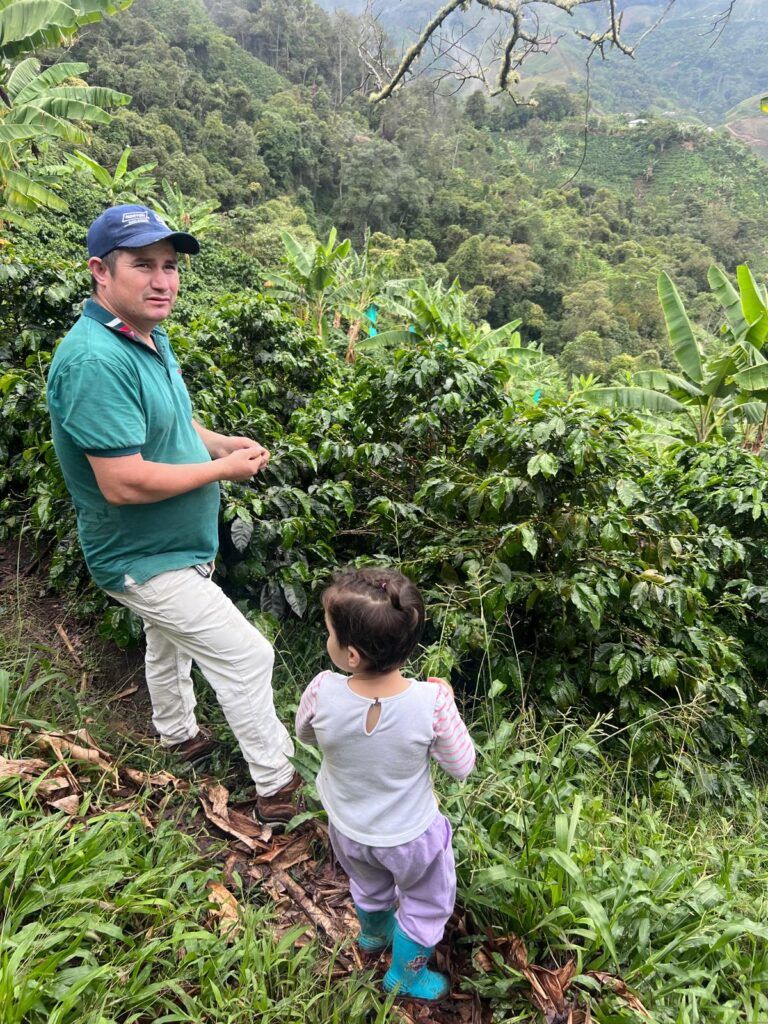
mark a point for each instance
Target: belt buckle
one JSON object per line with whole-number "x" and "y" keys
{"x": 205, "y": 570}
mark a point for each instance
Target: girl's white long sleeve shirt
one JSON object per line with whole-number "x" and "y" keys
{"x": 376, "y": 786}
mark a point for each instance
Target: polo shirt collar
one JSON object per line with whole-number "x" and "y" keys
{"x": 93, "y": 310}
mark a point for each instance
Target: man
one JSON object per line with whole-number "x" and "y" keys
{"x": 144, "y": 478}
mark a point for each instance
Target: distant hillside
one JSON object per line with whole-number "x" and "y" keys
{"x": 682, "y": 69}
{"x": 653, "y": 161}
{"x": 259, "y": 107}
{"x": 747, "y": 123}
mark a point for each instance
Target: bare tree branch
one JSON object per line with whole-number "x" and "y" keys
{"x": 587, "y": 107}
{"x": 414, "y": 52}
{"x": 720, "y": 21}
{"x": 523, "y": 35}
{"x": 656, "y": 24}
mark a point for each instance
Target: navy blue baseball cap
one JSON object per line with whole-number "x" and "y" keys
{"x": 131, "y": 227}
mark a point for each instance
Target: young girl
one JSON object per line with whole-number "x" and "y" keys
{"x": 377, "y": 731}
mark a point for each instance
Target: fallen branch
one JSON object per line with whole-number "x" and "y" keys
{"x": 68, "y": 644}
{"x": 317, "y": 916}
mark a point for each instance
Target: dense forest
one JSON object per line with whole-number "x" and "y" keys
{"x": 295, "y": 144}
{"x": 515, "y": 346}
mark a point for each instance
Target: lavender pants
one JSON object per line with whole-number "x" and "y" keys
{"x": 419, "y": 875}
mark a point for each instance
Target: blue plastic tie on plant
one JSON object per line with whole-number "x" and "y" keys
{"x": 537, "y": 395}
{"x": 372, "y": 313}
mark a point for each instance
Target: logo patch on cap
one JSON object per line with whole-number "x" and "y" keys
{"x": 136, "y": 217}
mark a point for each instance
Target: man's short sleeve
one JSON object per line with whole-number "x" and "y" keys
{"x": 99, "y": 406}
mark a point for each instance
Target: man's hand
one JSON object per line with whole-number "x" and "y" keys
{"x": 221, "y": 445}
{"x": 227, "y": 445}
{"x": 242, "y": 463}
{"x": 130, "y": 480}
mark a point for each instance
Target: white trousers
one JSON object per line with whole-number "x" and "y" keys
{"x": 187, "y": 617}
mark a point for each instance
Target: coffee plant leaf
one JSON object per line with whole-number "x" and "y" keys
{"x": 241, "y": 532}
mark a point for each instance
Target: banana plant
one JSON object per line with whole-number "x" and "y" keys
{"x": 363, "y": 285}
{"x": 729, "y": 385}
{"x": 28, "y": 25}
{"x": 185, "y": 214}
{"x": 35, "y": 107}
{"x": 441, "y": 317}
{"x": 40, "y": 107}
{"x": 311, "y": 276}
{"x": 122, "y": 185}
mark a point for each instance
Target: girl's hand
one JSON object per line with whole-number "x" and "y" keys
{"x": 440, "y": 682}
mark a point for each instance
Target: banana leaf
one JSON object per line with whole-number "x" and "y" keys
{"x": 729, "y": 299}
{"x": 754, "y": 380}
{"x": 300, "y": 258}
{"x": 18, "y": 132}
{"x": 48, "y": 79}
{"x": 34, "y": 25}
{"x": 679, "y": 328}
{"x": 393, "y": 337}
{"x": 638, "y": 399}
{"x": 25, "y": 72}
{"x": 25, "y": 194}
{"x": 754, "y": 305}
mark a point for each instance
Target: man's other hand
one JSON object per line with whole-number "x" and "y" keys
{"x": 244, "y": 462}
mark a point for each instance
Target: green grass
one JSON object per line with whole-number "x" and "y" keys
{"x": 659, "y": 875}
{"x": 648, "y": 876}
{"x": 104, "y": 922}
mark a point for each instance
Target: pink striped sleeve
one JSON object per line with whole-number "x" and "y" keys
{"x": 306, "y": 712}
{"x": 452, "y": 746}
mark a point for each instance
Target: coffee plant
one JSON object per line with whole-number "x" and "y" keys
{"x": 569, "y": 560}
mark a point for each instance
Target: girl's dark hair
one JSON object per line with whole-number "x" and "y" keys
{"x": 377, "y": 611}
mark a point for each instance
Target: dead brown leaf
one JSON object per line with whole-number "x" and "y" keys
{"x": 251, "y": 826}
{"x": 619, "y": 987}
{"x": 286, "y": 853}
{"x": 124, "y": 805}
{"x": 60, "y": 745}
{"x": 482, "y": 961}
{"x": 124, "y": 693}
{"x": 68, "y": 804}
{"x": 53, "y": 786}
{"x": 316, "y": 915}
{"x": 224, "y": 913}
{"x": 213, "y": 798}
{"x": 24, "y": 768}
{"x": 68, "y": 644}
{"x": 154, "y": 780}
{"x": 83, "y": 736}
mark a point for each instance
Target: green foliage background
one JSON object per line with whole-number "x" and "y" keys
{"x": 577, "y": 562}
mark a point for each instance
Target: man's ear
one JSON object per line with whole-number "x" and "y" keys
{"x": 98, "y": 268}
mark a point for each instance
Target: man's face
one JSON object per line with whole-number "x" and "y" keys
{"x": 143, "y": 287}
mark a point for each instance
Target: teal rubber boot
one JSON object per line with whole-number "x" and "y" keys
{"x": 409, "y": 973}
{"x": 376, "y": 929}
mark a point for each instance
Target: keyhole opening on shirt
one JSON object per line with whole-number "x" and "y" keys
{"x": 373, "y": 716}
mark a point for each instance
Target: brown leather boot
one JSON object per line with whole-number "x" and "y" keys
{"x": 280, "y": 807}
{"x": 196, "y": 748}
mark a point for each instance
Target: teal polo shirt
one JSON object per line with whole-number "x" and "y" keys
{"x": 110, "y": 394}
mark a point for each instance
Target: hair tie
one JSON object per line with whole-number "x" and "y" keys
{"x": 383, "y": 584}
